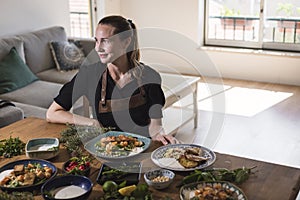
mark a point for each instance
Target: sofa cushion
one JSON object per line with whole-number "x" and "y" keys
{"x": 14, "y": 72}
{"x": 32, "y": 111}
{"x": 67, "y": 55}
{"x": 53, "y": 75}
{"x": 36, "y": 47}
{"x": 39, "y": 93}
{"x": 7, "y": 43}
{"x": 10, "y": 114}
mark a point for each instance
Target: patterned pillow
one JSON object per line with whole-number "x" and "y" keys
{"x": 67, "y": 55}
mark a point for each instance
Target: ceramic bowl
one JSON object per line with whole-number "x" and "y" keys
{"x": 71, "y": 187}
{"x": 42, "y": 148}
{"x": 9, "y": 167}
{"x": 166, "y": 177}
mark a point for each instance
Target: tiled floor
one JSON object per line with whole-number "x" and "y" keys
{"x": 261, "y": 121}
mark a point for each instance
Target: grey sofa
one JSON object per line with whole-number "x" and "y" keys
{"x": 33, "y": 47}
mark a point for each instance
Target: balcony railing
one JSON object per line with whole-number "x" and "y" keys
{"x": 284, "y": 30}
{"x": 285, "y": 26}
{"x": 233, "y": 27}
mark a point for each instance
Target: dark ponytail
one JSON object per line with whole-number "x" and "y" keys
{"x": 134, "y": 55}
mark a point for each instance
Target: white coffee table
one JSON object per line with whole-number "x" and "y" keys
{"x": 176, "y": 87}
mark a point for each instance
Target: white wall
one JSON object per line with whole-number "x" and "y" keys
{"x": 18, "y": 16}
{"x": 181, "y": 16}
{"x": 177, "y": 16}
{"x": 107, "y": 7}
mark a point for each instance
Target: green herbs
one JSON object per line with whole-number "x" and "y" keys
{"x": 11, "y": 147}
{"x": 237, "y": 176}
{"x": 73, "y": 137}
{"x": 16, "y": 196}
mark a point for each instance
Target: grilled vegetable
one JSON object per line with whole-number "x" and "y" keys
{"x": 186, "y": 162}
{"x": 237, "y": 176}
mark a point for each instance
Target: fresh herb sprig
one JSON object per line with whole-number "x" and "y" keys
{"x": 11, "y": 147}
{"x": 74, "y": 136}
{"x": 16, "y": 196}
{"x": 238, "y": 175}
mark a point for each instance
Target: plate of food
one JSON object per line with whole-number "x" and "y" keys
{"x": 183, "y": 157}
{"x": 211, "y": 190}
{"x": 26, "y": 175}
{"x": 117, "y": 145}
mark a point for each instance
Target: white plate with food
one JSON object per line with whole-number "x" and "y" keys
{"x": 117, "y": 145}
{"x": 213, "y": 190}
{"x": 183, "y": 157}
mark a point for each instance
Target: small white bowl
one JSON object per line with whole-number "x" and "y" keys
{"x": 149, "y": 176}
{"x": 42, "y": 148}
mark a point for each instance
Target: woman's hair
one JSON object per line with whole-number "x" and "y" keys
{"x": 126, "y": 28}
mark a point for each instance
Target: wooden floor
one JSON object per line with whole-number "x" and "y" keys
{"x": 261, "y": 121}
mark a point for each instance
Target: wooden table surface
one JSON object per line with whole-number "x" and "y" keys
{"x": 270, "y": 181}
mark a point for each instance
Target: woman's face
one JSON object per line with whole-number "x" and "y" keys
{"x": 108, "y": 45}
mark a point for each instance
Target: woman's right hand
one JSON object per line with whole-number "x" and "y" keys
{"x": 95, "y": 122}
{"x": 165, "y": 139}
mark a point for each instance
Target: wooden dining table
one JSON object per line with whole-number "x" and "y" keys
{"x": 269, "y": 182}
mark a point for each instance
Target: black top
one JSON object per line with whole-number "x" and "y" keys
{"x": 88, "y": 82}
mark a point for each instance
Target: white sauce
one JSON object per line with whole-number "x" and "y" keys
{"x": 5, "y": 173}
{"x": 69, "y": 192}
{"x": 135, "y": 150}
{"x": 42, "y": 147}
{"x": 170, "y": 162}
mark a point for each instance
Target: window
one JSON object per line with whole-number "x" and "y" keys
{"x": 261, "y": 24}
{"x": 81, "y": 18}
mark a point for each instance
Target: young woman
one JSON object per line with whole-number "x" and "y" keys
{"x": 124, "y": 93}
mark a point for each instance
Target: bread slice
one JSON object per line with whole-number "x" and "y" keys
{"x": 29, "y": 178}
{"x": 18, "y": 169}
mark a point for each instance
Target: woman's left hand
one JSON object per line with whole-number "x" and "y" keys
{"x": 166, "y": 139}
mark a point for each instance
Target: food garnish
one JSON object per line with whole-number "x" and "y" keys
{"x": 109, "y": 186}
{"x": 126, "y": 191}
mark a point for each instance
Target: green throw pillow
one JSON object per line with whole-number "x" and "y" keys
{"x": 14, "y": 73}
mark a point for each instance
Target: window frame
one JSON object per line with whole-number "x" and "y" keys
{"x": 260, "y": 44}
